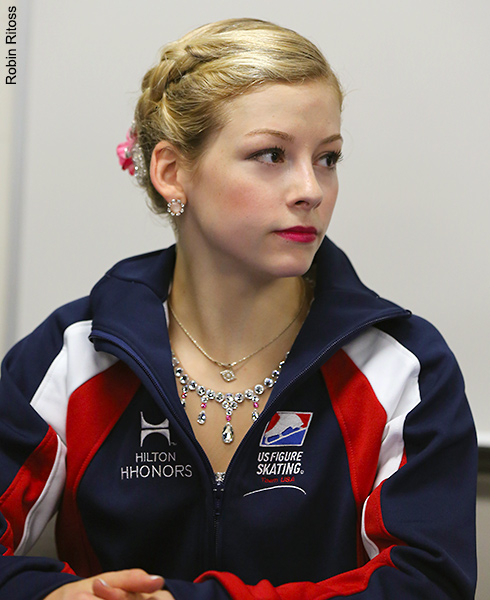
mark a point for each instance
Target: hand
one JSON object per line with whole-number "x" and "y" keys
{"x": 131, "y": 584}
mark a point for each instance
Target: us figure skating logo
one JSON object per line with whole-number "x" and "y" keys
{"x": 286, "y": 428}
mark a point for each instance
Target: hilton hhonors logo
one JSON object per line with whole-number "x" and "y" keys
{"x": 159, "y": 464}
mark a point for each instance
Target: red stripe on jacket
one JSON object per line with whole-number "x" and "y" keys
{"x": 345, "y": 584}
{"x": 24, "y": 491}
{"x": 93, "y": 410}
{"x": 362, "y": 419}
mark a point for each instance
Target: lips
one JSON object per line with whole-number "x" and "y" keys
{"x": 303, "y": 235}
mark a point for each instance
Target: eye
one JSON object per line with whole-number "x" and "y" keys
{"x": 270, "y": 156}
{"x": 330, "y": 159}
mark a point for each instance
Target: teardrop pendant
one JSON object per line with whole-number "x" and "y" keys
{"x": 201, "y": 418}
{"x": 228, "y": 435}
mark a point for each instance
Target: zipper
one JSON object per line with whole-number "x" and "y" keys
{"x": 218, "y": 493}
{"x": 218, "y": 484}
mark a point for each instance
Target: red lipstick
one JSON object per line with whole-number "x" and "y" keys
{"x": 303, "y": 235}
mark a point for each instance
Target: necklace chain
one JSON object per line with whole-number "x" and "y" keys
{"x": 227, "y": 374}
{"x": 229, "y": 402}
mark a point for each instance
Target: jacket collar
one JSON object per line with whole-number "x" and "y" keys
{"x": 128, "y": 306}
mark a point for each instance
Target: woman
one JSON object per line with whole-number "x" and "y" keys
{"x": 238, "y": 414}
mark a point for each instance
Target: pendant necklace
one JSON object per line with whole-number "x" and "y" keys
{"x": 229, "y": 402}
{"x": 227, "y": 373}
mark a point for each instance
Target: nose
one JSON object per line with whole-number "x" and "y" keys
{"x": 307, "y": 192}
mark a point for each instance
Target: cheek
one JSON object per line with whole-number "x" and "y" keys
{"x": 329, "y": 200}
{"x": 242, "y": 197}
{"x": 332, "y": 191}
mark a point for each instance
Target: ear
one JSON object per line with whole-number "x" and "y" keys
{"x": 165, "y": 171}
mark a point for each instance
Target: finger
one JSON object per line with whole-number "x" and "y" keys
{"x": 132, "y": 580}
{"x": 104, "y": 591}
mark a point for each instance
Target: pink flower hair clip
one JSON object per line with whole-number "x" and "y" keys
{"x": 131, "y": 156}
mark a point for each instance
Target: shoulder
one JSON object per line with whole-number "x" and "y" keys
{"x": 51, "y": 331}
{"x": 32, "y": 357}
{"x": 406, "y": 354}
{"x": 422, "y": 340}
{"x": 406, "y": 349}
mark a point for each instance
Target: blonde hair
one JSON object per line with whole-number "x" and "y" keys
{"x": 183, "y": 96}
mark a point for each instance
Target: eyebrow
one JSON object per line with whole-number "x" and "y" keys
{"x": 290, "y": 138}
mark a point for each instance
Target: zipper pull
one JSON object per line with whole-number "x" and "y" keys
{"x": 219, "y": 478}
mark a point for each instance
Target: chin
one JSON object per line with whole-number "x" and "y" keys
{"x": 292, "y": 267}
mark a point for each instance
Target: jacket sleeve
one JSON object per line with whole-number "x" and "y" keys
{"x": 32, "y": 464}
{"x": 417, "y": 520}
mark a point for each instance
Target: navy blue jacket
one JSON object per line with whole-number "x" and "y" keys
{"x": 358, "y": 479}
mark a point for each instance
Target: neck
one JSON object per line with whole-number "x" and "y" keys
{"x": 231, "y": 316}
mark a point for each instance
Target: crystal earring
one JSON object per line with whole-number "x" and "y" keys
{"x": 175, "y": 207}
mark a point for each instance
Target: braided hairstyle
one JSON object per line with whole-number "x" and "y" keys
{"x": 184, "y": 95}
